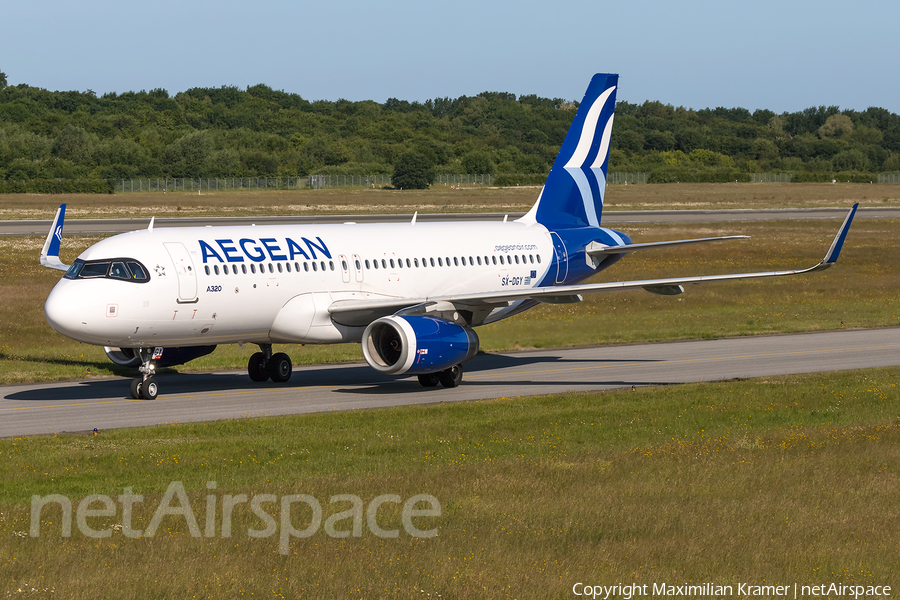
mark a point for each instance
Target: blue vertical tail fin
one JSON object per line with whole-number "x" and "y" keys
{"x": 574, "y": 190}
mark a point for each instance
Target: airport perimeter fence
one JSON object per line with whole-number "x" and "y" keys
{"x": 771, "y": 177}
{"x": 209, "y": 184}
{"x": 310, "y": 182}
{"x": 616, "y": 178}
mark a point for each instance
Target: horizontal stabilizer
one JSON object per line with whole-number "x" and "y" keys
{"x": 598, "y": 249}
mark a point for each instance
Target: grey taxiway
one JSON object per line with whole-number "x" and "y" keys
{"x": 610, "y": 217}
{"x": 103, "y": 403}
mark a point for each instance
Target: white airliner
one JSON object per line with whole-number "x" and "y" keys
{"x": 410, "y": 292}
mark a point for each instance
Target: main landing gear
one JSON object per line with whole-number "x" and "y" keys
{"x": 449, "y": 378}
{"x": 145, "y": 386}
{"x": 264, "y": 365}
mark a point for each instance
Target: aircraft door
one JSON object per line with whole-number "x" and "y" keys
{"x": 345, "y": 268}
{"x": 357, "y": 265}
{"x": 184, "y": 269}
{"x": 562, "y": 258}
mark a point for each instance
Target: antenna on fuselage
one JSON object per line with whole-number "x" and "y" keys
{"x": 150, "y": 228}
{"x": 413, "y": 222}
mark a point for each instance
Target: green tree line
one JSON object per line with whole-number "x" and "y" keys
{"x": 258, "y": 131}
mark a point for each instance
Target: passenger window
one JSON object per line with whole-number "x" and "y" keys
{"x": 279, "y": 268}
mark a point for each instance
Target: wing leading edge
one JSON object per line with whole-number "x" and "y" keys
{"x": 362, "y": 312}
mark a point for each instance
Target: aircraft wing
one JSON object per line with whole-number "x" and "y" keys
{"x": 362, "y": 312}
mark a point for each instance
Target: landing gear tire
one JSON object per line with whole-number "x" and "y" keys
{"x": 150, "y": 388}
{"x": 256, "y": 368}
{"x": 136, "y": 385}
{"x": 451, "y": 377}
{"x": 279, "y": 367}
{"x": 430, "y": 379}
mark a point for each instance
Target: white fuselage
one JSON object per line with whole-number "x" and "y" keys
{"x": 275, "y": 283}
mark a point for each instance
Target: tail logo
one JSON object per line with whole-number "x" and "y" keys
{"x": 577, "y": 167}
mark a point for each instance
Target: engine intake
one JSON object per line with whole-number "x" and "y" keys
{"x": 416, "y": 345}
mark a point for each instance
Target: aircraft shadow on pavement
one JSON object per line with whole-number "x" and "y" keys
{"x": 325, "y": 376}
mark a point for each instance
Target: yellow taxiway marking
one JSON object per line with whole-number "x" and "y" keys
{"x": 619, "y": 365}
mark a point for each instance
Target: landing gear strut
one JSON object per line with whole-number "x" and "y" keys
{"x": 146, "y": 387}
{"x": 449, "y": 378}
{"x": 264, "y": 365}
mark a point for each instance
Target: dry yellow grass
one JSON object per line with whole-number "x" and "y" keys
{"x": 678, "y": 196}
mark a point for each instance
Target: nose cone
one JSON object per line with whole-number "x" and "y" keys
{"x": 62, "y": 311}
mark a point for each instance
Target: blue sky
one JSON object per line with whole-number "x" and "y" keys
{"x": 781, "y": 55}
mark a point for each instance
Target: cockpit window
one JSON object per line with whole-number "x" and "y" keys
{"x": 118, "y": 271}
{"x": 73, "y": 271}
{"x": 94, "y": 270}
{"x": 126, "y": 269}
{"x": 137, "y": 271}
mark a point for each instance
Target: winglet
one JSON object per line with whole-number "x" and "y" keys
{"x": 835, "y": 249}
{"x": 50, "y": 251}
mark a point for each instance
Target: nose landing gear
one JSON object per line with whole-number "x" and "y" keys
{"x": 146, "y": 387}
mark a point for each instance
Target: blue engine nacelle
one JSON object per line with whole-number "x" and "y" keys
{"x": 416, "y": 345}
{"x": 128, "y": 357}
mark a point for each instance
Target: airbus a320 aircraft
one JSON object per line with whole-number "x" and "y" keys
{"x": 410, "y": 293}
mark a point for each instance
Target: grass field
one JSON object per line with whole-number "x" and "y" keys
{"x": 441, "y": 199}
{"x": 780, "y": 480}
{"x": 861, "y": 291}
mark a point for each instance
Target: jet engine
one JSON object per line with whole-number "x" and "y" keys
{"x": 128, "y": 357}
{"x": 416, "y": 345}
